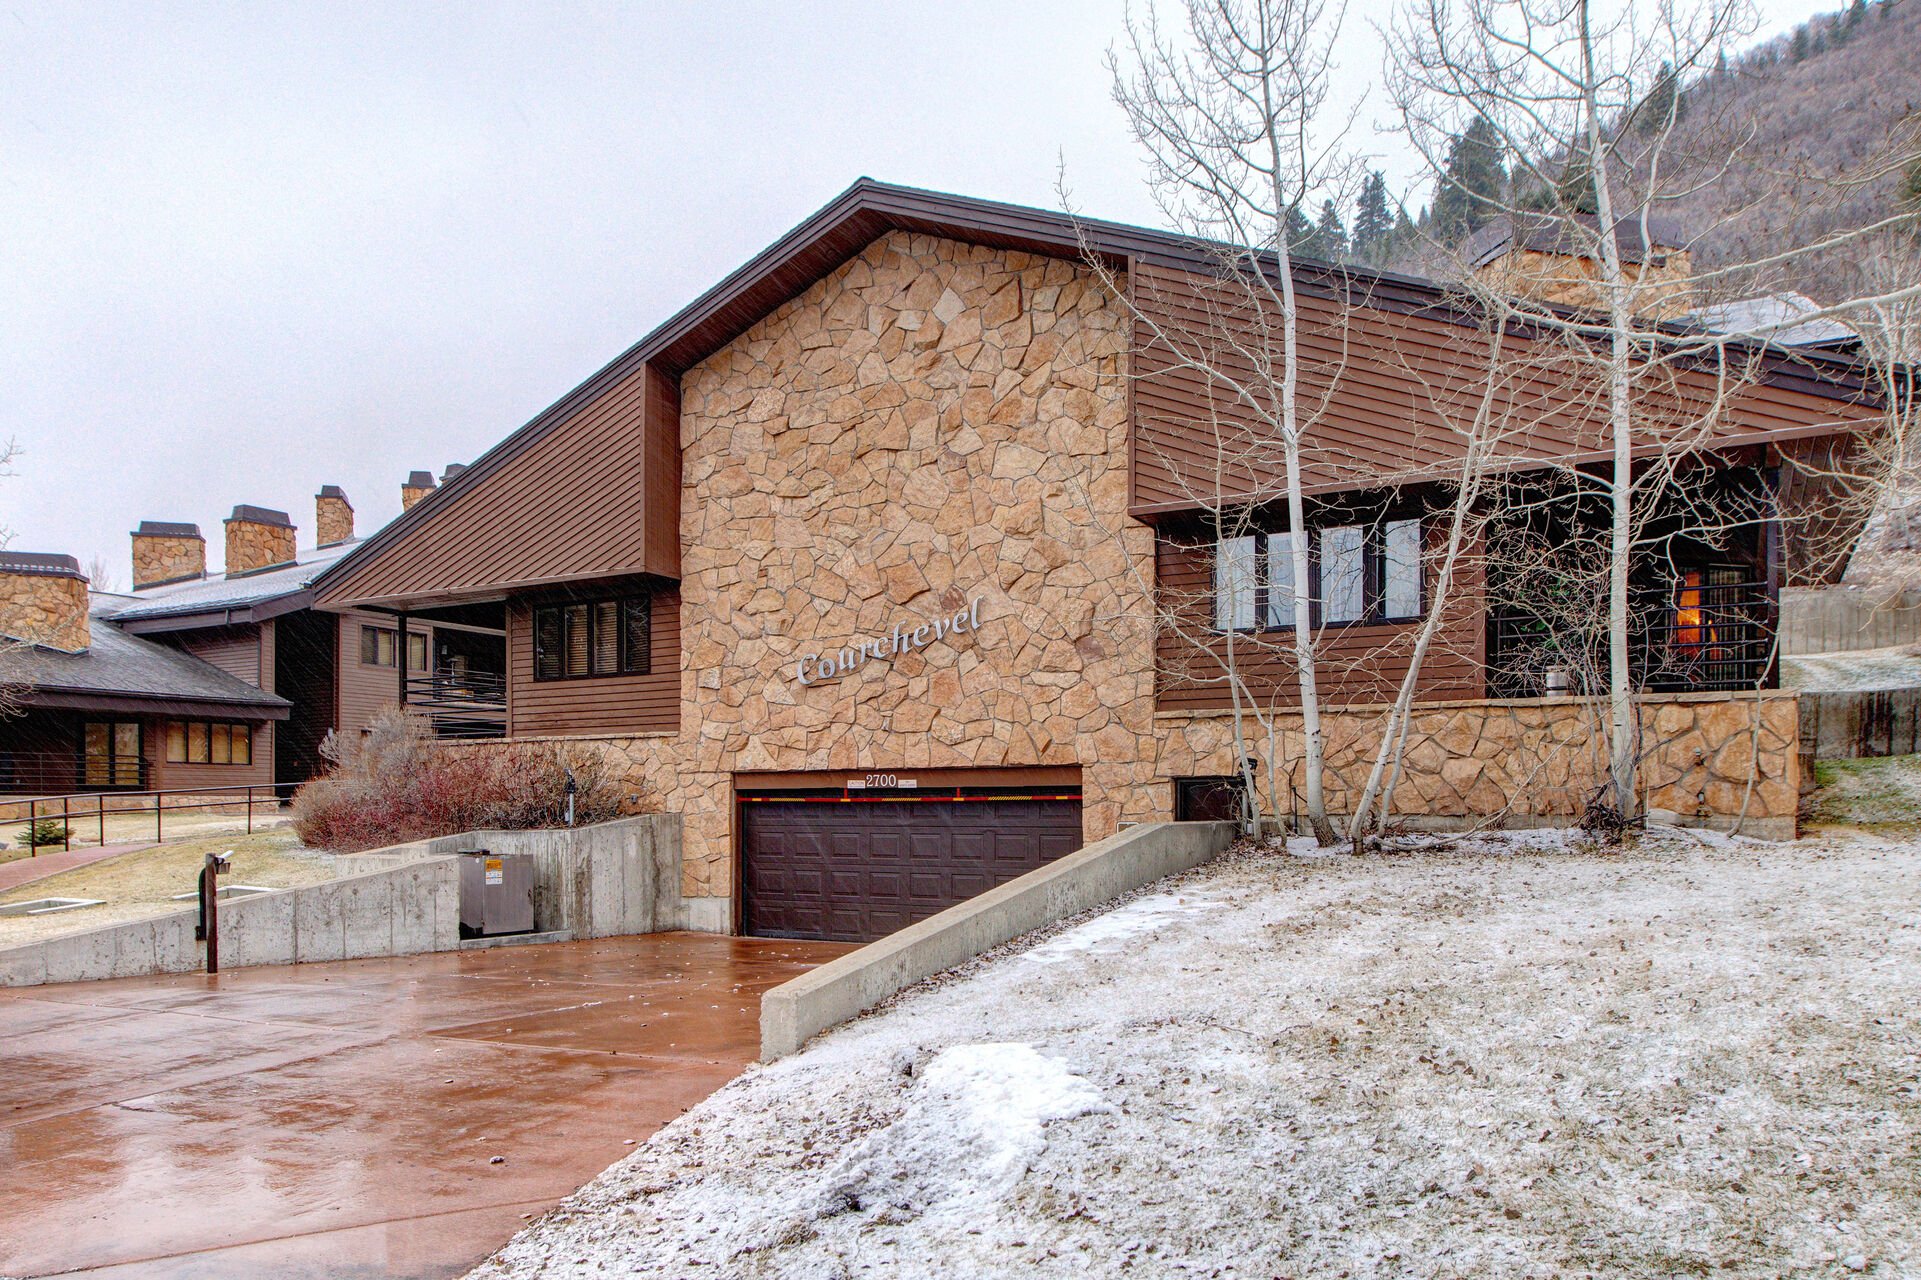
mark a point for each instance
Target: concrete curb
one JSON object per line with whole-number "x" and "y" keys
{"x": 795, "y": 1011}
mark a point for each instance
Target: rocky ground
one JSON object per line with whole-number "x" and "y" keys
{"x": 1492, "y": 1056}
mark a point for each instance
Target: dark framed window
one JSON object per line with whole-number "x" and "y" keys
{"x": 377, "y": 648}
{"x": 209, "y": 742}
{"x": 111, "y": 753}
{"x": 594, "y": 638}
{"x": 1357, "y": 574}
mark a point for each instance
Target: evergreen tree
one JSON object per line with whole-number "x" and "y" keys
{"x": 1857, "y": 13}
{"x": 1328, "y": 241}
{"x": 1798, "y": 47}
{"x": 1663, "y": 100}
{"x": 1575, "y": 190}
{"x": 1373, "y": 221}
{"x": 1472, "y": 181}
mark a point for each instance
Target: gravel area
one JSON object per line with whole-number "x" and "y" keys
{"x": 1491, "y": 1056}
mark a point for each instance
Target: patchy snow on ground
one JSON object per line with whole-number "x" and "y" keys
{"x": 1856, "y": 671}
{"x": 1498, "y": 1056}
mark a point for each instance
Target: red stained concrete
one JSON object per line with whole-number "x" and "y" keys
{"x": 338, "y": 1120}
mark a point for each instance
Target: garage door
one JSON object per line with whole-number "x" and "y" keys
{"x": 856, "y": 871}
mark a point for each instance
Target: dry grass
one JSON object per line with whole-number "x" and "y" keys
{"x": 137, "y": 885}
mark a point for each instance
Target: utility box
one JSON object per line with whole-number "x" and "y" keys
{"x": 496, "y": 893}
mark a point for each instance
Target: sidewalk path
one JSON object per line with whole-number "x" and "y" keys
{"x": 27, "y": 870}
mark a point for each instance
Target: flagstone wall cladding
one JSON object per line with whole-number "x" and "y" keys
{"x": 936, "y": 421}
{"x": 933, "y": 422}
{"x": 1539, "y": 760}
{"x": 45, "y": 608}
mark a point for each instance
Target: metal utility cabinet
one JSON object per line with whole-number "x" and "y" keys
{"x": 496, "y": 893}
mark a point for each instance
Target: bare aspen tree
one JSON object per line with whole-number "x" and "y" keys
{"x": 1232, "y": 113}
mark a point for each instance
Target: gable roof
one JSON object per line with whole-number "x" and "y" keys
{"x": 808, "y": 253}
{"x": 119, "y": 671}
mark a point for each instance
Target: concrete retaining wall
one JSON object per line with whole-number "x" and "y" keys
{"x": 1847, "y": 726}
{"x": 1843, "y": 619}
{"x": 610, "y": 879}
{"x": 795, "y": 1011}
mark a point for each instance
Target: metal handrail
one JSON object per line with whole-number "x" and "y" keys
{"x": 98, "y": 810}
{"x": 473, "y": 705}
{"x": 1728, "y": 645}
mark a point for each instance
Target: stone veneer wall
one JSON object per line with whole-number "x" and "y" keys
{"x": 1537, "y": 761}
{"x": 252, "y": 545}
{"x": 46, "y": 609}
{"x": 333, "y": 520}
{"x": 169, "y": 558}
{"x": 1572, "y": 281}
{"x": 933, "y": 422}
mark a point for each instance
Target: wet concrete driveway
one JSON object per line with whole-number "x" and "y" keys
{"x": 342, "y": 1120}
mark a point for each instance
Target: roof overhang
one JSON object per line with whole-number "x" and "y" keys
{"x": 200, "y": 619}
{"x": 149, "y": 704}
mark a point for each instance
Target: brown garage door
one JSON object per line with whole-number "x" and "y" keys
{"x": 853, "y": 872}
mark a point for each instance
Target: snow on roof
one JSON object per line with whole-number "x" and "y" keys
{"x": 201, "y": 595}
{"x": 1774, "y": 317}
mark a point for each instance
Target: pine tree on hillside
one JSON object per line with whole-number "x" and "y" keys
{"x": 1575, "y": 190}
{"x": 1798, "y": 47}
{"x": 1329, "y": 239}
{"x": 1373, "y": 221}
{"x": 1663, "y": 105}
{"x": 1472, "y": 180}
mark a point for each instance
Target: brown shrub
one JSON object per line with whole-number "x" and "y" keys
{"x": 396, "y": 783}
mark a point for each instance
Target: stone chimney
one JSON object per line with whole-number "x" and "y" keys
{"x": 258, "y": 538}
{"x": 165, "y": 552}
{"x": 43, "y": 600}
{"x": 417, "y": 486}
{"x": 333, "y": 516}
{"x": 1540, "y": 258}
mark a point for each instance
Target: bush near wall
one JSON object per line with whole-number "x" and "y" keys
{"x": 397, "y": 783}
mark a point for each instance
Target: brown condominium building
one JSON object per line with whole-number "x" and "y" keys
{"x": 208, "y": 682}
{"x": 891, "y": 564}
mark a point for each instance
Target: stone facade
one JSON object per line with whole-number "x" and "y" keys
{"x": 932, "y": 423}
{"x": 1536, "y": 761}
{"x": 935, "y": 423}
{"x": 254, "y": 543}
{"x": 333, "y": 517}
{"x": 418, "y": 485}
{"x": 45, "y": 605}
{"x": 167, "y": 557}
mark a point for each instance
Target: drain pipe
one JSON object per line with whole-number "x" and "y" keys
{"x": 208, "y": 930}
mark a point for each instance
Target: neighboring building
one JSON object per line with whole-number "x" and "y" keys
{"x": 104, "y": 710}
{"x": 255, "y": 626}
{"x": 1779, "y": 318}
{"x": 855, "y": 562}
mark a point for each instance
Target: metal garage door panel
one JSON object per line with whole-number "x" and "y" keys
{"x": 856, "y": 872}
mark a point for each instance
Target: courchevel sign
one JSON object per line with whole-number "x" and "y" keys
{"x": 814, "y": 668}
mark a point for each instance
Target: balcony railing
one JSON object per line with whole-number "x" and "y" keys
{"x": 52, "y": 772}
{"x": 1694, "y": 635}
{"x": 473, "y": 705}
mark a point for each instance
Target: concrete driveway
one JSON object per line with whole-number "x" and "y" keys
{"x": 344, "y": 1120}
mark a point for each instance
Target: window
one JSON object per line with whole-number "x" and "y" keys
{"x": 1358, "y": 573}
{"x": 203, "y": 742}
{"x": 377, "y": 648}
{"x": 594, "y": 638}
{"x": 111, "y": 755}
{"x": 1343, "y": 573}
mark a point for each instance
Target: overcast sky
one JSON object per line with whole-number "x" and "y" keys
{"x": 246, "y": 251}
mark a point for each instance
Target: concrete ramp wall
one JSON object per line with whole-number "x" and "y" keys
{"x": 613, "y": 878}
{"x": 794, "y": 1012}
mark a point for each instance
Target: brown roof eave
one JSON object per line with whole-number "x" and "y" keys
{"x": 157, "y": 705}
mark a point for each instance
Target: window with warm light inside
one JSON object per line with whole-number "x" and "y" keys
{"x": 209, "y": 742}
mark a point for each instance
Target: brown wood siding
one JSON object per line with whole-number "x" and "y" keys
{"x": 174, "y": 776}
{"x": 238, "y": 651}
{"x": 1355, "y": 664}
{"x": 573, "y": 506}
{"x": 362, "y": 690}
{"x": 601, "y": 704}
{"x": 1405, "y": 383}
{"x": 305, "y": 647}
